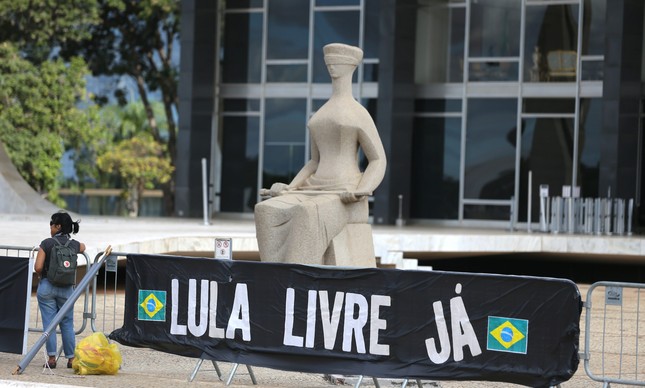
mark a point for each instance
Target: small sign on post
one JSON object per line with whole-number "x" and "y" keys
{"x": 223, "y": 248}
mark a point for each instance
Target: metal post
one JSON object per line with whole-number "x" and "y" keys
{"x": 630, "y": 210}
{"x": 598, "y": 216}
{"x": 607, "y": 206}
{"x": 619, "y": 216}
{"x": 528, "y": 205}
{"x": 512, "y": 211}
{"x": 205, "y": 192}
{"x": 556, "y": 215}
{"x": 399, "y": 220}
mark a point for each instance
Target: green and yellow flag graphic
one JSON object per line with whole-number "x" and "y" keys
{"x": 152, "y": 305}
{"x": 507, "y": 335}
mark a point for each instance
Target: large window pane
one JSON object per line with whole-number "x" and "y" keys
{"x": 547, "y": 151}
{"x": 593, "y": 34}
{"x": 495, "y": 28}
{"x": 285, "y": 120}
{"x": 435, "y": 178}
{"x": 371, "y": 36}
{"x": 288, "y": 29}
{"x": 242, "y": 48}
{"x": 281, "y": 163}
{"x": 239, "y": 4}
{"x": 440, "y": 43}
{"x": 490, "y": 149}
{"x": 332, "y": 27}
{"x": 287, "y": 73}
{"x": 589, "y": 146}
{"x": 240, "y": 163}
{"x": 551, "y": 43}
{"x": 493, "y": 71}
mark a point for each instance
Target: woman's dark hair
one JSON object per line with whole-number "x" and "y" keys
{"x": 63, "y": 219}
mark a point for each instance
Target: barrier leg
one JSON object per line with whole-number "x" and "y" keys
{"x": 197, "y": 366}
{"x": 404, "y": 383}
{"x": 359, "y": 381}
{"x": 376, "y": 384}
{"x": 248, "y": 367}
{"x": 230, "y": 376}
{"x": 234, "y": 370}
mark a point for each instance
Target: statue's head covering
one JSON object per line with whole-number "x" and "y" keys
{"x": 342, "y": 54}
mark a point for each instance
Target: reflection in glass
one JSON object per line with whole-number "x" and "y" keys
{"x": 437, "y": 105}
{"x": 241, "y": 104}
{"x": 371, "y": 32}
{"x": 593, "y": 33}
{"x": 435, "y": 178}
{"x": 547, "y": 151}
{"x": 490, "y": 149}
{"x": 439, "y": 43}
{"x": 548, "y": 105}
{"x": 370, "y": 72}
{"x": 495, "y": 28}
{"x": 592, "y": 70}
{"x": 493, "y": 71}
{"x": 242, "y": 48}
{"x": 551, "y": 41}
{"x": 337, "y": 2}
{"x": 242, "y": 4}
{"x": 285, "y": 120}
{"x": 589, "y": 146}
{"x": 287, "y": 29}
{"x": 330, "y": 27}
{"x": 282, "y": 162}
{"x": 240, "y": 161}
{"x": 286, "y": 73}
{"x": 487, "y": 212}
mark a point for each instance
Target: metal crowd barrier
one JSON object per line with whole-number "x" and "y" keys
{"x": 613, "y": 327}
{"x": 599, "y": 216}
{"x": 30, "y": 252}
{"x": 87, "y": 286}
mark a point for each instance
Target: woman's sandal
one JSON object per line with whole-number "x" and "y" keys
{"x": 69, "y": 362}
{"x": 50, "y": 365}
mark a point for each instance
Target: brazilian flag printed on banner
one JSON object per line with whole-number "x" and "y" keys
{"x": 152, "y": 305}
{"x": 507, "y": 335}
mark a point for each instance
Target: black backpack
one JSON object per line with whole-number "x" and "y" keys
{"x": 62, "y": 264}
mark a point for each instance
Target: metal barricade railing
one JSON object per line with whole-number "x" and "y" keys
{"x": 599, "y": 216}
{"x": 612, "y": 351}
{"x": 28, "y": 253}
{"x": 87, "y": 287}
{"x": 82, "y": 286}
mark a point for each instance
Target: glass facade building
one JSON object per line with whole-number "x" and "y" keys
{"x": 478, "y": 102}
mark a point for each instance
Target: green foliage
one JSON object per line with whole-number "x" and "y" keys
{"x": 140, "y": 162}
{"x": 136, "y": 39}
{"x": 39, "y": 26}
{"x": 39, "y": 117}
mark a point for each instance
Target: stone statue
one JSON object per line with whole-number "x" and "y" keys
{"x": 321, "y": 217}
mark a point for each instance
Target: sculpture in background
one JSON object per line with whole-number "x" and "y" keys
{"x": 321, "y": 217}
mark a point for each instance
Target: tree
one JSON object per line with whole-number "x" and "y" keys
{"x": 39, "y": 117}
{"x": 137, "y": 39}
{"x": 139, "y": 161}
{"x": 37, "y": 27}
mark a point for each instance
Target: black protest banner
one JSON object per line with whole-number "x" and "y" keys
{"x": 15, "y": 293}
{"x": 372, "y": 322}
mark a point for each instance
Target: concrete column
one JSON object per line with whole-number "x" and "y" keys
{"x": 196, "y": 102}
{"x": 396, "y": 106}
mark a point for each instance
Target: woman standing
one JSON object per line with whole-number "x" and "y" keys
{"x": 52, "y": 297}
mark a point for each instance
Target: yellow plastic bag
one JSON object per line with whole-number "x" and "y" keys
{"x": 95, "y": 356}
